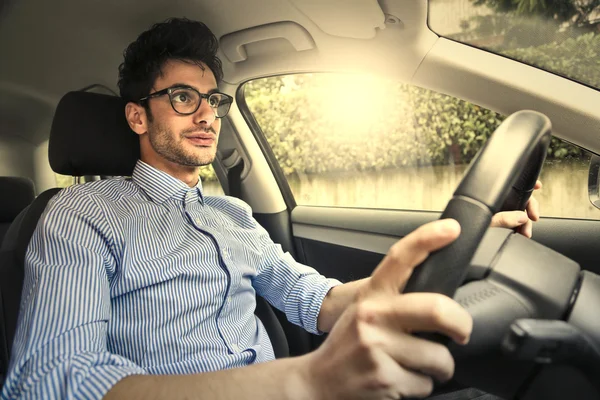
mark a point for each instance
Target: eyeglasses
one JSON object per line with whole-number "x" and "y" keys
{"x": 186, "y": 100}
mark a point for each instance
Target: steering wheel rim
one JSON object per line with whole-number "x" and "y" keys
{"x": 501, "y": 177}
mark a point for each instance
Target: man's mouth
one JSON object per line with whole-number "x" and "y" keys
{"x": 201, "y": 139}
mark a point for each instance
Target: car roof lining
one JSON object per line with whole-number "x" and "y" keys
{"x": 507, "y": 86}
{"x": 356, "y": 19}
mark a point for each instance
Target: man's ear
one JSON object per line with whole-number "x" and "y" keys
{"x": 136, "y": 118}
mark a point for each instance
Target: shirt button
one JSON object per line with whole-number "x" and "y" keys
{"x": 198, "y": 221}
{"x": 225, "y": 253}
{"x": 228, "y": 299}
{"x": 235, "y": 348}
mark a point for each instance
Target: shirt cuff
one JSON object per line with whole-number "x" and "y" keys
{"x": 305, "y": 300}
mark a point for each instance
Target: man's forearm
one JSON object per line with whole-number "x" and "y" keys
{"x": 284, "y": 379}
{"x": 336, "y": 301}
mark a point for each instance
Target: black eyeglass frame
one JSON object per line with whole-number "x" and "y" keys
{"x": 206, "y": 96}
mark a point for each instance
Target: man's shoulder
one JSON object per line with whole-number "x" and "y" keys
{"x": 90, "y": 204}
{"x": 107, "y": 190}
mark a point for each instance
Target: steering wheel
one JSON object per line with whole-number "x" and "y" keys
{"x": 530, "y": 305}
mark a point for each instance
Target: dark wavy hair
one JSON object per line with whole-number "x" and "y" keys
{"x": 174, "y": 39}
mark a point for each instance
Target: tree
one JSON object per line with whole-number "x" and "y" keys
{"x": 577, "y": 13}
{"x": 516, "y": 24}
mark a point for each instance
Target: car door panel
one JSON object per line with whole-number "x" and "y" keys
{"x": 347, "y": 244}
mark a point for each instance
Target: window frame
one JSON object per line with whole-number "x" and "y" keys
{"x": 265, "y": 147}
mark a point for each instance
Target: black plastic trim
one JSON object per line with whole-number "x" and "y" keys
{"x": 574, "y": 297}
{"x": 279, "y": 227}
{"x": 219, "y": 167}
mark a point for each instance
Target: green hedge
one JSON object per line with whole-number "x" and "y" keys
{"x": 578, "y": 58}
{"x": 414, "y": 127}
{"x": 420, "y": 127}
{"x": 207, "y": 173}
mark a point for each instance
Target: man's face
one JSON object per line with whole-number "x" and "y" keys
{"x": 185, "y": 140}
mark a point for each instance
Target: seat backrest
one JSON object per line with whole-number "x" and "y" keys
{"x": 15, "y": 194}
{"x": 12, "y": 261}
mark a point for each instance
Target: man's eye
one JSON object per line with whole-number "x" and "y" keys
{"x": 181, "y": 97}
{"x": 214, "y": 100}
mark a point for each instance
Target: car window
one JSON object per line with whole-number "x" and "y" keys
{"x": 559, "y": 36}
{"x": 63, "y": 181}
{"x": 360, "y": 141}
{"x": 210, "y": 184}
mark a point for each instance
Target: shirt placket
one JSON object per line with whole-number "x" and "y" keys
{"x": 193, "y": 210}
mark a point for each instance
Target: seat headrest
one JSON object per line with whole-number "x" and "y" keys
{"x": 90, "y": 136}
{"x": 15, "y": 195}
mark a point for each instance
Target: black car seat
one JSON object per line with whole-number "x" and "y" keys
{"x": 89, "y": 136}
{"x": 15, "y": 194}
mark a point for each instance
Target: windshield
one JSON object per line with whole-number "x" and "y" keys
{"x": 559, "y": 36}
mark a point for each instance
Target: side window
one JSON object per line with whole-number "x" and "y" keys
{"x": 63, "y": 181}
{"x": 210, "y": 184}
{"x": 359, "y": 141}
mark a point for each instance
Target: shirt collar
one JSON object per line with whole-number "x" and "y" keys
{"x": 160, "y": 186}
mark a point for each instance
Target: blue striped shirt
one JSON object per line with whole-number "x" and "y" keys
{"x": 145, "y": 275}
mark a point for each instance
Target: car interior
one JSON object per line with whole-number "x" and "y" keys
{"x": 22, "y": 194}
{"x": 534, "y": 301}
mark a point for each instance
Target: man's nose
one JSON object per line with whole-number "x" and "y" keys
{"x": 205, "y": 113}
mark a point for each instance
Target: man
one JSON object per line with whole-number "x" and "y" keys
{"x": 144, "y": 287}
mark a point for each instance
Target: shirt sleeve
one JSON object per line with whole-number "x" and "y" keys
{"x": 294, "y": 288}
{"x": 60, "y": 349}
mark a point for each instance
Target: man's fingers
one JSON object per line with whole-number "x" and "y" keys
{"x": 533, "y": 208}
{"x": 509, "y": 219}
{"x": 413, "y": 384}
{"x": 393, "y": 272}
{"x": 417, "y": 354}
{"x": 396, "y": 380}
{"x": 430, "y": 312}
{"x": 522, "y": 220}
{"x": 417, "y": 385}
{"x": 526, "y": 229}
{"x": 419, "y": 312}
{"x": 513, "y": 219}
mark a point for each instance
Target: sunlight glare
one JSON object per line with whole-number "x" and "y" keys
{"x": 352, "y": 102}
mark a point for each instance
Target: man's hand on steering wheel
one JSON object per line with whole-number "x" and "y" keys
{"x": 521, "y": 221}
{"x": 371, "y": 352}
